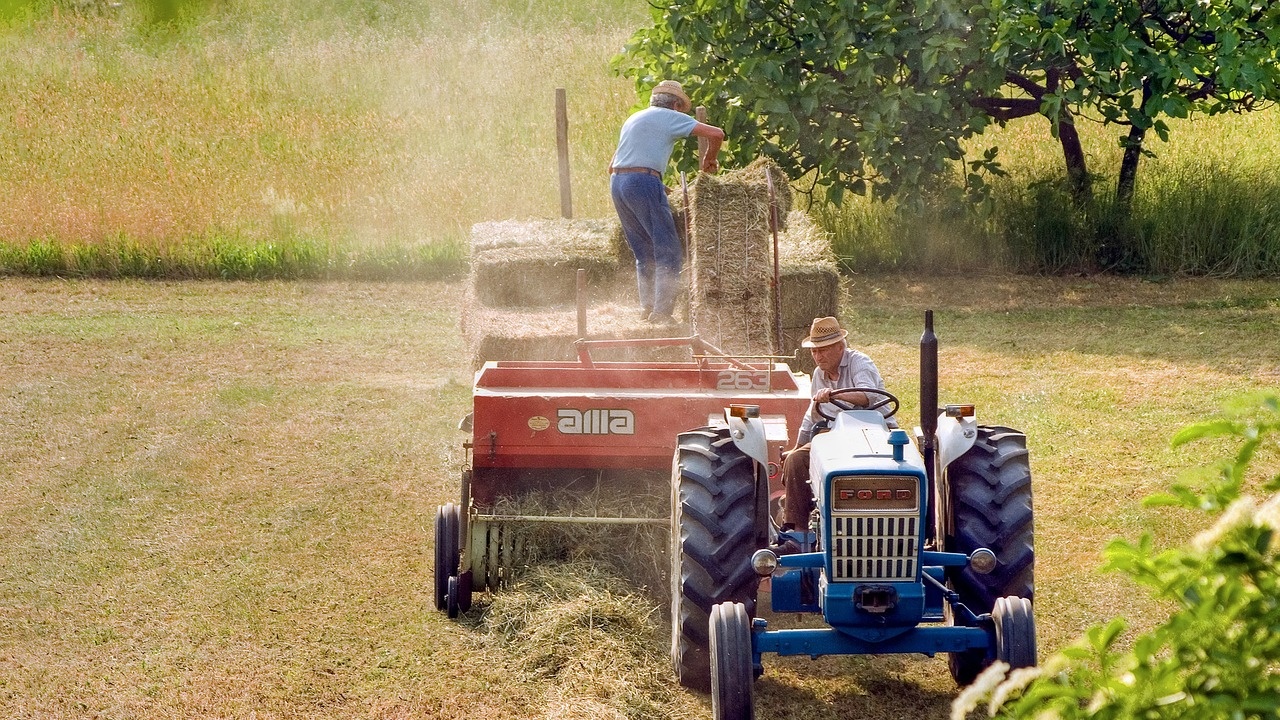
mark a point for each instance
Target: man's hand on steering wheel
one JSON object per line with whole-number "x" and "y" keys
{"x": 833, "y": 397}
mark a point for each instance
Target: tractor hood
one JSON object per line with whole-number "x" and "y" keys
{"x": 858, "y": 442}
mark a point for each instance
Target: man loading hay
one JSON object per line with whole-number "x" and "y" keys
{"x": 644, "y": 149}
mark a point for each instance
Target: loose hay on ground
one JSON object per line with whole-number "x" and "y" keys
{"x": 595, "y": 635}
{"x": 535, "y": 263}
{"x": 583, "y": 603}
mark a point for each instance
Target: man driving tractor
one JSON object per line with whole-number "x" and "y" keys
{"x": 838, "y": 366}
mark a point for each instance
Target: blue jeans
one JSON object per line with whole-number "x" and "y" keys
{"x": 641, "y": 202}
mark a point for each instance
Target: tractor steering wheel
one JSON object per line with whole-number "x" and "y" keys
{"x": 886, "y": 398}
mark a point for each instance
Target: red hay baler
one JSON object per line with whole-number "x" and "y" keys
{"x": 594, "y": 427}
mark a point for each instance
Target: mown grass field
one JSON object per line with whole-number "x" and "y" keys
{"x": 216, "y": 498}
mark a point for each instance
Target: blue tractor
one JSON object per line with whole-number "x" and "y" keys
{"x": 919, "y": 543}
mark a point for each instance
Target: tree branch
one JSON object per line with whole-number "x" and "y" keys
{"x": 1025, "y": 84}
{"x": 1003, "y": 109}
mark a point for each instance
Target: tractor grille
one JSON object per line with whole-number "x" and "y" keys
{"x": 881, "y": 547}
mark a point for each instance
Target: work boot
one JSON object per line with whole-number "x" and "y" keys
{"x": 785, "y": 546}
{"x": 644, "y": 314}
{"x": 661, "y": 320}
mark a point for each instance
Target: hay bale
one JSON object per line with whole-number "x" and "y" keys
{"x": 535, "y": 263}
{"x": 731, "y": 249}
{"x": 809, "y": 276}
{"x": 491, "y": 333}
{"x": 791, "y": 338}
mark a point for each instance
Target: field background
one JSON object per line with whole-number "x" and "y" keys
{"x": 363, "y": 139}
{"x": 216, "y": 498}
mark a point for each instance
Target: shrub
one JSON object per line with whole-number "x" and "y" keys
{"x": 1218, "y": 653}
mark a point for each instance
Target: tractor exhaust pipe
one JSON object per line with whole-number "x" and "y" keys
{"x": 929, "y": 394}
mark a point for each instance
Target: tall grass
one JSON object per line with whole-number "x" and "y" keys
{"x": 350, "y": 126}
{"x": 353, "y": 134}
{"x": 1204, "y": 205}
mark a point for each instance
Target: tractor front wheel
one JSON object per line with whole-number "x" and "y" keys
{"x": 1015, "y": 632}
{"x": 732, "y": 675}
{"x": 719, "y": 517}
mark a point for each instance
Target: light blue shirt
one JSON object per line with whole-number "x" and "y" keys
{"x": 649, "y": 136}
{"x": 856, "y": 370}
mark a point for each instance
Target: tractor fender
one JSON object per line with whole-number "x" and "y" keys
{"x": 749, "y": 435}
{"x": 955, "y": 437}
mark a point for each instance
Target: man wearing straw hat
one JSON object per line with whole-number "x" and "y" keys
{"x": 838, "y": 366}
{"x": 644, "y": 149}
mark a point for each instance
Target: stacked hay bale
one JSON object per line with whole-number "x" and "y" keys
{"x": 521, "y": 298}
{"x": 520, "y": 304}
{"x": 731, "y": 245}
{"x": 535, "y": 263}
{"x": 810, "y": 282}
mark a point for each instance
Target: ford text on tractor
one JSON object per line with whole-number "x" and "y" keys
{"x": 919, "y": 543}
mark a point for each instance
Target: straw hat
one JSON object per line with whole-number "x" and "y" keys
{"x": 671, "y": 87}
{"x": 823, "y": 332}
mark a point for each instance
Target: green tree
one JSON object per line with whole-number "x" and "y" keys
{"x": 879, "y": 96}
{"x": 1217, "y": 654}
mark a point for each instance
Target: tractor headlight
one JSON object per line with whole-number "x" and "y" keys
{"x": 764, "y": 562}
{"x": 983, "y": 561}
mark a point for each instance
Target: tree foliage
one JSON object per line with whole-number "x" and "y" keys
{"x": 881, "y": 95}
{"x": 1218, "y": 653}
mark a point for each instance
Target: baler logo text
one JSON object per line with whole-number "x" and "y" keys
{"x": 596, "y": 422}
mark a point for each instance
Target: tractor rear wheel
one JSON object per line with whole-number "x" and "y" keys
{"x": 731, "y": 663}
{"x": 446, "y": 564}
{"x": 719, "y": 517}
{"x": 1015, "y": 632}
{"x": 990, "y": 507}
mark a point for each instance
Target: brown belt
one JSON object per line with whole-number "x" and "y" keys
{"x": 623, "y": 171}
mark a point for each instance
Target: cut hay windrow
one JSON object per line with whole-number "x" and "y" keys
{"x": 732, "y": 262}
{"x": 595, "y": 635}
{"x": 535, "y": 263}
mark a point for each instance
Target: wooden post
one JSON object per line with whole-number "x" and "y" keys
{"x": 700, "y": 113}
{"x": 562, "y": 146}
{"x": 582, "y": 302}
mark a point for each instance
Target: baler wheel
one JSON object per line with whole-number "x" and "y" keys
{"x": 451, "y": 597}
{"x": 719, "y": 515}
{"x": 1015, "y": 632}
{"x": 732, "y": 673}
{"x": 446, "y": 560}
{"x": 990, "y": 506}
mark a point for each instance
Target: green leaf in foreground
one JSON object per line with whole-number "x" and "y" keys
{"x": 1215, "y": 656}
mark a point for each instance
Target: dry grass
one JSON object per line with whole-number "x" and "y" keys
{"x": 346, "y": 123}
{"x": 216, "y": 498}
{"x": 577, "y": 628}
